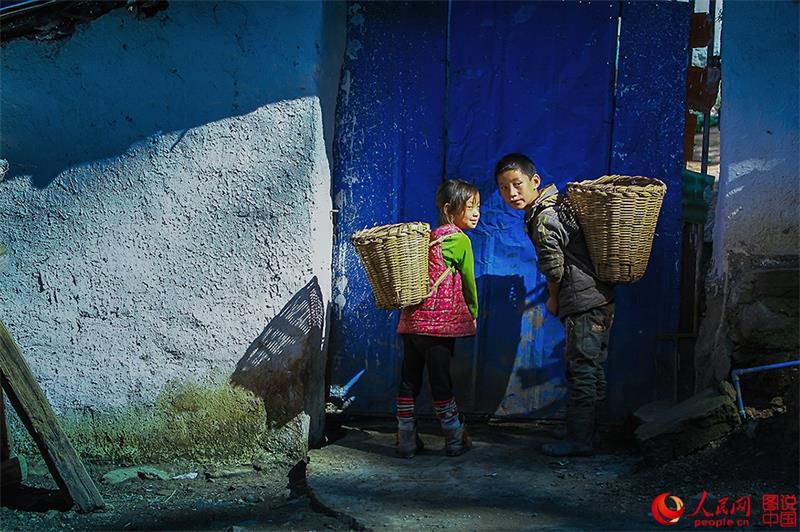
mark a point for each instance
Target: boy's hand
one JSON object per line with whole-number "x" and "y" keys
{"x": 475, "y": 323}
{"x": 552, "y": 305}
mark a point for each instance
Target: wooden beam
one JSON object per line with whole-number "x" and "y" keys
{"x": 35, "y": 412}
{"x": 5, "y": 434}
{"x": 13, "y": 471}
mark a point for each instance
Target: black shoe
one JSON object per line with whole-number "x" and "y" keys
{"x": 560, "y": 433}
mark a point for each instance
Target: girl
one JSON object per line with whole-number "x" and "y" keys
{"x": 429, "y": 329}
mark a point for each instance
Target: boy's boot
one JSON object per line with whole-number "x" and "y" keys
{"x": 560, "y": 433}
{"x": 580, "y": 430}
{"x": 597, "y": 440}
{"x": 456, "y": 439}
{"x": 408, "y": 441}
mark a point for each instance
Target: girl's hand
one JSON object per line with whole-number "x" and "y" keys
{"x": 475, "y": 323}
{"x": 552, "y": 306}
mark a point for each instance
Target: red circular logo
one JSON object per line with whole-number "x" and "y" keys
{"x": 663, "y": 513}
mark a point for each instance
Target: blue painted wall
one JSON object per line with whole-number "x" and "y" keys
{"x": 648, "y": 133}
{"x": 535, "y": 77}
{"x": 388, "y": 153}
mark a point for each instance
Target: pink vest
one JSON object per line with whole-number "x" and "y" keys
{"x": 445, "y": 312}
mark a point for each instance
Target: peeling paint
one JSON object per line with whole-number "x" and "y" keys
{"x": 344, "y": 86}
{"x": 353, "y": 47}
{"x": 742, "y": 168}
{"x": 356, "y": 15}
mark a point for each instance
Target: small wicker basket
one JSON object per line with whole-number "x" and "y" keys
{"x": 395, "y": 258}
{"x": 618, "y": 215}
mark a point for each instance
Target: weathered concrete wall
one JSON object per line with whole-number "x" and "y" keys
{"x": 757, "y": 212}
{"x": 170, "y": 192}
{"x": 752, "y": 314}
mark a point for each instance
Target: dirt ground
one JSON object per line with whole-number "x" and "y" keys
{"x": 247, "y": 500}
{"x": 502, "y": 484}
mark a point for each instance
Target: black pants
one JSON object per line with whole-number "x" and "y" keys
{"x": 431, "y": 351}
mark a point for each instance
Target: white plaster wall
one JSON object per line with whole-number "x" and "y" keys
{"x": 759, "y": 194}
{"x": 170, "y": 191}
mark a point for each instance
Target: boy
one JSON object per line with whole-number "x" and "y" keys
{"x": 583, "y": 302}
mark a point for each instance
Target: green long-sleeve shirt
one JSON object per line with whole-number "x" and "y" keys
{"x": 457, "y": 252}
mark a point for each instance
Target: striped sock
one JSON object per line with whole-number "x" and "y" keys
{"x": 405, "y": 413}
{"x": 447, "y": 413}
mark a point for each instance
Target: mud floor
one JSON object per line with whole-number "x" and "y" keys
{"x": 240, "y": 498}
{"x": 502, "y": 484}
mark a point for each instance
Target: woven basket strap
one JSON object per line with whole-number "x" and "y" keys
{"x": 438, "y": 240}
{"x": 445, "y": 273}
{"x": 441, "y": 278}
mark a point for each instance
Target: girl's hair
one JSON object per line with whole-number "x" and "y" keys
{"x": 457, "y": 193}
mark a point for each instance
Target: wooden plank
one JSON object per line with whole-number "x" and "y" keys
{"x": 13, "y": 471}
{"x": 35, "y": 412}
{"x": 691, "y": 282}
{"x": 5, "y": 434}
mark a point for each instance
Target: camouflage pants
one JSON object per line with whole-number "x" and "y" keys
{"x": 587, "y": 349}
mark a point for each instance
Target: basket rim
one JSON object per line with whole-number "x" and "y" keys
{"x": 612, "y": 183}
{"x": 370, "y": 232}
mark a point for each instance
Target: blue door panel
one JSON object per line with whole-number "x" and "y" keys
{"x": 648, "y": 140}
{"x": 533, "y": 77}
{"x": 388, "y": 152}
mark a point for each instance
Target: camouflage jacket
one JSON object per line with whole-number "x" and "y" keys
{"x": 562, "y": 256}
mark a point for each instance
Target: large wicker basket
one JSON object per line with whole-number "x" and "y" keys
{"x": 395, "y": 258}
{"x": 618, "y": 215}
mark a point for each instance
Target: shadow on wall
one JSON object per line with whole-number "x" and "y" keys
{"x": 122, "y": 80}
{"x": 535, "y": 383}
{"x": 285, "y": 364}
{"x": 483, "y": 364}
{"x": 500, "y": 336}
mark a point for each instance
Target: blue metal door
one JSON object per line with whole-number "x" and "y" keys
{"x": 432, "y": 90}
{"x": 388, "y": 153}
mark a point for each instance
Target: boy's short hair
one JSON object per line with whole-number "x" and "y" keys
{"x": 515, "y": 161}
